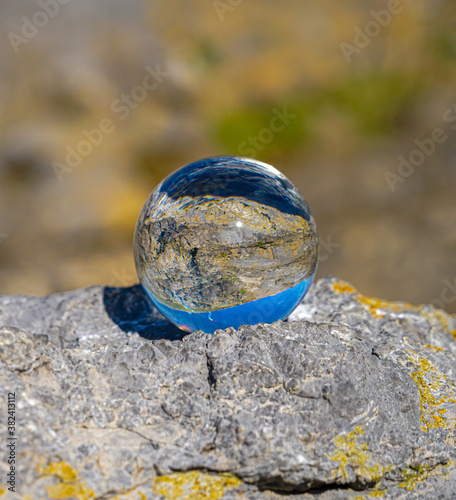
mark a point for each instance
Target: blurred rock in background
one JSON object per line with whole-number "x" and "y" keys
{"x": 155, "y": 85}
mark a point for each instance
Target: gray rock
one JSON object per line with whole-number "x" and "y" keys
{"x": 351, "y": 398}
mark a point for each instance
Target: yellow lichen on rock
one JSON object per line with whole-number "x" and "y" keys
{"x": 414, "y": 475}
{"x": 371, "y": 494}
{"x": 374, "y": 305}
{"x": 343, "y": 287}
{"x": 433, "y": 316}
{"x": 350, "y": 453}
{"x": 194, "y": 485}
{"x": 435, "y": 394}
{"x": 69, "y": 485}
{"x": 433, "y": 347}
{"x": 453, "y": 333}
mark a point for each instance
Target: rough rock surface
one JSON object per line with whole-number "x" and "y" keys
{"x": 352, "y": 398}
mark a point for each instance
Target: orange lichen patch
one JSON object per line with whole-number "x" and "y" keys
{"x": 342, "y": 287}
{"x": 374, "y": 306}
{"x": 453, "y": 333}
{"x": 2, "y": 490}
{"x": 194, "y": 485}
{"x": 435, "y": 394}
{"x": 433, "y": 347}
{"x": 69, "y": 485}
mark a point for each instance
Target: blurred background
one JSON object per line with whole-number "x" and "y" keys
{"x": 100, "y": 100}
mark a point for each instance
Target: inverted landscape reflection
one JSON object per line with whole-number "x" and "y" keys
{"x": 265, "y": 310}
{"x": 223, "y": 242}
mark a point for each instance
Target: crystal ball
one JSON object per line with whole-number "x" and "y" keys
{"x": 224, "y": 242}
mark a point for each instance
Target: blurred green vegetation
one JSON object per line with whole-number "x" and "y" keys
{"x": 377, "y": 103}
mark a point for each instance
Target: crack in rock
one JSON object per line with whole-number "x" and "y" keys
{"x": 353, "y": 397}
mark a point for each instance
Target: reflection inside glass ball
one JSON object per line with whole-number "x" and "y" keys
{"x": 225, "y": 241}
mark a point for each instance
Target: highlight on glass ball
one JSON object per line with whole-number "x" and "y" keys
{"x": 224, "y": 242}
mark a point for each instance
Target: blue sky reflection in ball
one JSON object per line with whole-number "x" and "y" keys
{"x": 225, "y": 241}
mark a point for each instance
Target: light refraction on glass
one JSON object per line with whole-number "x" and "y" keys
{"x": 225, "y": 241}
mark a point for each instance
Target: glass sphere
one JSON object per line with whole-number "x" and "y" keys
{"x": 225, "y": 241}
